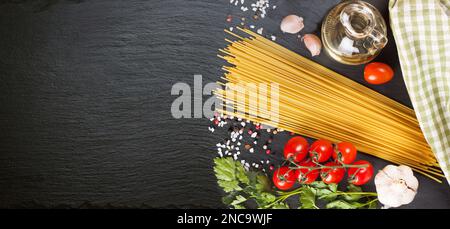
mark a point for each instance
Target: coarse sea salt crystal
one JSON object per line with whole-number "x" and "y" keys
{"x": 273, "y": 38}
{"x": 260, "y": 30}
{"x": 251, "y": 150}
{"x": 231, "y": 29}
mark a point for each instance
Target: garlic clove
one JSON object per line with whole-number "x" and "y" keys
{"x": 409, "y": 178}
{"x": 408, "y": 197}
{"x": 292, "y": 24}
{"x": 312, "y": 43}
{"x": 392, "y": 172}
{"x": 391, "y": 201}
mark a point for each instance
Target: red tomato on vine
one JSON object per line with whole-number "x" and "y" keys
{"x": 321, "y": 150}
{"x": 345, "y": 153}
{"x": 305, "y": 175}
{"x": 332, "y": 175}
{"x": 361, "y": 175}
{"x": 284, "y": 178}
{"x": 296, "y": 149}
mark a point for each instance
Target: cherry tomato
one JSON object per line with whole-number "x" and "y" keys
{"x": 378, "y": 73}
{"x": 332, "y": 175}
{"x": 360, "y": 176}
{"x": 296, "y": 148}
{"x": 321, "y": 150}
{"x": 307, "y": 176}
{"x": 345, "y": 153}
{"x": 284, "y": 178}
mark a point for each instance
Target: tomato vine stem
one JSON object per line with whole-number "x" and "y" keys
{"x": 297, "y": 166}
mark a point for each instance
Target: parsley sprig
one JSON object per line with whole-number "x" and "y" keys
{"x": 252, "y": 188}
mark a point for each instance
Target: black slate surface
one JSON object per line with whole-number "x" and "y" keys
{"x": 85, "y": 100}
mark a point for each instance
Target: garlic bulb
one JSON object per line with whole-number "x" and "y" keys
{"x": 396, "y": 185}
{"x": 312, "y": 43}
{"x": 292, "y": 24}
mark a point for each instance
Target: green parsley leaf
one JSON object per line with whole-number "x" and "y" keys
{"x": 307, "y": 198}
{"x": 352, "y": 197}
{"x": 318, "y": 184}
{"x": 227, "y": 199}
{"x": 239, "y": 200}
{"x": 341, "y": 204}
{"x": 258, "y": 182}
{"x": 325, "y": 194}
{"x": 267, "y": 197}
{"x": 333, "y": 187}
{"x": 229, "y": 186}
{"x": 229, "y": 174}
{"x": 238, "y": 206}
{"x": 280, "y": 205}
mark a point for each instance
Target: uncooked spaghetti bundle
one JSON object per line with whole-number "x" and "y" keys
{"x": 316, "y": 102}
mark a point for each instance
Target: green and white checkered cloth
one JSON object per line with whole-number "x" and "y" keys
{"x": 422, "y": 33}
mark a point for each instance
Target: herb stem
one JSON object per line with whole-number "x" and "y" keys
{"x": 340, "y": 193}
{"x": 368, "y": 203}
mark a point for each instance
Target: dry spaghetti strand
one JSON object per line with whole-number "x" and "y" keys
{"x": 319, "y": 103}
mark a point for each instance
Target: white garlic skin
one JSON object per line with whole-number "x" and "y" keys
{"x": 312, "y": 43}
{"x": 292, "y": 24}
{"x": 396, "y": 185}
